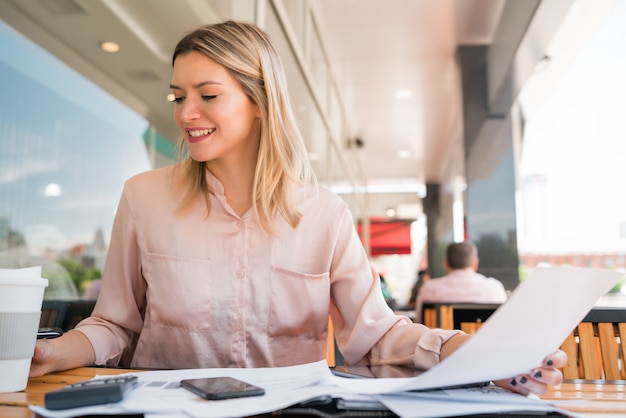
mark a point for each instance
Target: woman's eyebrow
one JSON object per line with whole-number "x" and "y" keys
{"x": 198, "y": 85}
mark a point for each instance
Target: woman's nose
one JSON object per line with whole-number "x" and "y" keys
{"x": 189, "y": 109}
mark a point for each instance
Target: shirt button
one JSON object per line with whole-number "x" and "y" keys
{"x": 241, "y": 274}
{"x": 237, "y": 325}
{"x": 240, "y": 224}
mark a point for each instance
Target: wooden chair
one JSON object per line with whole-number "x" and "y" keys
{"x": 52, "y": 313}
{"x": 333, "y": 356}
{"x": 65, "y": 314}
{"x": 330, "y": 355}
{"x": 596, "y": 348}
{"x": 468, "y": 317}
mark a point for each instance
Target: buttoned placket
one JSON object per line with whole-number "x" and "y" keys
{"x": 238, "y": 318}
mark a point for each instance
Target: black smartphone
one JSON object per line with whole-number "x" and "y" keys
{"x": 216, "y": 388}
{"x": 49, "y": 332}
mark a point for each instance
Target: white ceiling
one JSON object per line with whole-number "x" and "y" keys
{"x": 375, "y": 47}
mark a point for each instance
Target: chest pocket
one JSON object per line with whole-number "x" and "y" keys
{"x": 181, "y": 291}
{"x": 299, "y": 305}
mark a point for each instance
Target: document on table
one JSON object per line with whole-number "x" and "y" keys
{"x": 159, "y": 394}
{"x": 529, "y": 326}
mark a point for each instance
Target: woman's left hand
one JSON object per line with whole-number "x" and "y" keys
{"x": 538, "y": 380}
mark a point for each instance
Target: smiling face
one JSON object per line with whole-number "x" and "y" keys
{"x": 215, "y": 116}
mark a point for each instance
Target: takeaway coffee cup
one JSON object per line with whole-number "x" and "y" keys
{"x": 21, "y": 296}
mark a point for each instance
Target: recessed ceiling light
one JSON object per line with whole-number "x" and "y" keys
{"x": 109, "y": 46}
{"x": 170, "y": 97}
{"x": 403, "y": 94}
{"x": 403, "y": 154}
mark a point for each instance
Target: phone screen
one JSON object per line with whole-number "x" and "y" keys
{"x": 215, "y": 388}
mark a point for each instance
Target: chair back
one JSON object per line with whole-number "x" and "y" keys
{"x": 596, "y": 347}
{"x": 65, "y": 314}
{"x": 467, "y": 317}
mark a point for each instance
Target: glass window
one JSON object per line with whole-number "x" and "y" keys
{"x": 66, "y": 148}
{"x": 306, "y": 112}
{"x": 319, "y": 68}
{"x": 296, "y": 13}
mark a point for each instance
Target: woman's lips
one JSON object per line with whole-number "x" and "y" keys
{"x": 197, "y": 135}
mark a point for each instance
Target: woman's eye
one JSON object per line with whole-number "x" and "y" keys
{"x": 177, "y": 99}
{"x": 207, "y": 98}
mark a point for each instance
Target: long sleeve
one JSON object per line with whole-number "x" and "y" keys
{"x": 368, "y": 332}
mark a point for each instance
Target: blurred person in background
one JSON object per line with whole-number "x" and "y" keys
{"x": 462, "y": 283}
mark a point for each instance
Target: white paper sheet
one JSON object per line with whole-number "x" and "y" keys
{"x": 458, "y": 403}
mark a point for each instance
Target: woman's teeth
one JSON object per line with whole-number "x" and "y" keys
{"x": 201, "y": 132}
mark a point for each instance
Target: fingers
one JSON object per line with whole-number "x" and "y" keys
{"x": 523, "y": 385}
{"x": 547, "y": 375}
{"x": 536, "y": 383}
{"x": 539, "y": 379}
{"x": 40, "y": 357}
{"x": 40, "y": 350}
{"x": 558, "y": 359}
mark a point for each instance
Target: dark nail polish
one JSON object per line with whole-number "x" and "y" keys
{"x": 523, "y": 380}
{"x": 513, "y": 382}
{"x": 537, "y": 375}
{"x": 549, "y": 362}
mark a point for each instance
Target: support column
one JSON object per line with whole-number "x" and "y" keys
{"x": 490, "y": 174}
{"x": 437, "y": 206}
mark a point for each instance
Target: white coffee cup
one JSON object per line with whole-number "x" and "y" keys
{"x": 21, "y": 297}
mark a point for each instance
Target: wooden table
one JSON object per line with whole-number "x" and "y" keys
{"x": 594, "y": 399}
{"x": 15, "y": 405}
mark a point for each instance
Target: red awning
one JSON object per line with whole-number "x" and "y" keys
{"x": 388, "y": 236}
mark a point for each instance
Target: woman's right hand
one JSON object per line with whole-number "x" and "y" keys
{"x": 71, "y": 350}
{"x": 42, "y": 358}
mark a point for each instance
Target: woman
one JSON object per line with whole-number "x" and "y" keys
{"x": 233, "y": 257}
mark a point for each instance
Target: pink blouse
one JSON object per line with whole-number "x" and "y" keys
{"x": 198, "y": 291}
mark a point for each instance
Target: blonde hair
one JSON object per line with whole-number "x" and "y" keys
{"x": 282, "y": 163}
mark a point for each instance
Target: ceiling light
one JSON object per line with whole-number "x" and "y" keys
{"x": 403, "y": 94}
{"x": 403, "y": 153}
{"x": 109, "y": 46}
{"x": 390, "y": 212}
{"x": 170, "y": 97}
